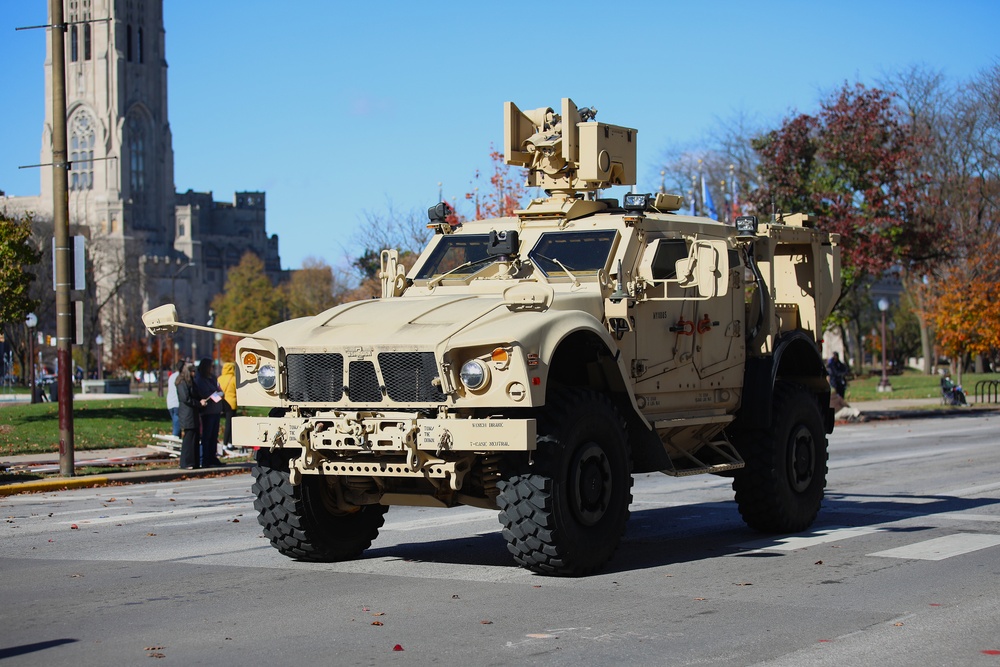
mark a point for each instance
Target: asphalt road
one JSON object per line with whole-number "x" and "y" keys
{"x": 900, "y": 569}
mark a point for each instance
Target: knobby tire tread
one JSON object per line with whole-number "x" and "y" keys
{"x": 529, "y": 515}
{"x": 764, "y": 497}
{"x": 295, "y": 521}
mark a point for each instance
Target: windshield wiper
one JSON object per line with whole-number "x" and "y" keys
{"x": 576, "y": 282}
{"x": 436, "y": 279}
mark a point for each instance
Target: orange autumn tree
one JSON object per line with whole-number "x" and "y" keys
{"x": 966, "y": 312}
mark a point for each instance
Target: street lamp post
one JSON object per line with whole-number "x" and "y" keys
{"x": 883, "y": 385}
{"x": 173, "y": 281}
{"x": 159, "y": 366}
{"x": 218, "y": 353}
{"x": 100, "y": 356}
{"x": 31, "y": 321}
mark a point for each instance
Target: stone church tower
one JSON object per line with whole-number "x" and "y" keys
{"x": 118, "y": 136}
{"x": 148, "y": 245}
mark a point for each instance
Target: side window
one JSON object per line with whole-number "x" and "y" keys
{"x": 668, "y": 251}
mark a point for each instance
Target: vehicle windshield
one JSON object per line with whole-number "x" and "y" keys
{"x": 580, "y": 253}
{"x": 457, "y": 255}
{"x": 571, "y": 254}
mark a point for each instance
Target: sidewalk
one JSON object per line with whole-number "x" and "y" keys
{"x": 909, "y": 408}
{"x": 26, "y": 398}
{"x": 49, "y": 462}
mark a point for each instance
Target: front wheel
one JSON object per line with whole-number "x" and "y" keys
{"x": 301, "y": 521}
{"x": 781, "y": 488}
{"x": 565, "y": 514}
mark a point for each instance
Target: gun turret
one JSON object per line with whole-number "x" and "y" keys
{"x": 568, "y": 152}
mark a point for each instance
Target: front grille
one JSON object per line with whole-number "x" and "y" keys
{"x": 315, "y": 378}
{"x": 362, "y": 383}
{"x": 406, "y": 378}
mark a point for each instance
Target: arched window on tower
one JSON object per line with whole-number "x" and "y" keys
{"x": 74, "y": 45}
{"x": 86, "y": 41}
{"x": 141, "y": 45}
{"x": 81, "y": 151}
{"x": 136, "y": 155}
{"x": 128, "y": 42}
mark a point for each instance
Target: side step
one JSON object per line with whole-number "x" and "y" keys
{"x": 715, "y": 456}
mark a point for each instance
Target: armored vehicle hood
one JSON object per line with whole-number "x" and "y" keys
{"x": 419, "y": 321}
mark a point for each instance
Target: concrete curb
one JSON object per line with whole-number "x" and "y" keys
{"x": 136, "y": 477}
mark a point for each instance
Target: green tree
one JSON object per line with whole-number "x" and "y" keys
{"x": 249, "y": 302}
{"x": 17, "y": 254}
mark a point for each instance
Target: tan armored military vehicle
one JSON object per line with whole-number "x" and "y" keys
{"x": 531, "y": 364}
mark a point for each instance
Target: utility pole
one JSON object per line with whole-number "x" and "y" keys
{"x": 60, "y": 220}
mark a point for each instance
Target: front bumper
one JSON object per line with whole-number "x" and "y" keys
{"x": 385, "y": 433}
{"x": 367, "y": 444}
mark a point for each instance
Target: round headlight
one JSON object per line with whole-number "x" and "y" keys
{"x": 474, "y": 374}
{"x": 267, "y": 376}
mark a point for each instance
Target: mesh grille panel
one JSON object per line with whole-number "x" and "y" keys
{"x": 408, "y": 376}
{"x": 315, "y": 378}
{"x": 362, "y": 382}
{"x": 319, "y": 378}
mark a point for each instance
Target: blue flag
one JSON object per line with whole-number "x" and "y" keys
{"x": 706, "y": 198}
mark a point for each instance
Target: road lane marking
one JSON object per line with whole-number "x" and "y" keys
{"x": 941, "y": 548}
{"x": 421, "y": 524}
{"x": 964, "y": 516}
{"x": 973, "y": 490}
{"x": 793, "y": 542}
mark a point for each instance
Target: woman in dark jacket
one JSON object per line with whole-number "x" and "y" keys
{"x": 207, "y": 389}
{"x": 187, "y": 416}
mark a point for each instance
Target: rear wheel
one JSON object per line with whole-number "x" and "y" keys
{"x": 565, "y": 514}
{"x": 781, "y": 488}
{"x": 301, "y": 521}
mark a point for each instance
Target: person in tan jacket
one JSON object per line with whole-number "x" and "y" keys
{"x": 227, "y": 383}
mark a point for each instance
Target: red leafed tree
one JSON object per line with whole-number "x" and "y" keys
{"x": 504, "y": 194}
{"x": 856, "y": 167}
{"x": 135, "y": 354}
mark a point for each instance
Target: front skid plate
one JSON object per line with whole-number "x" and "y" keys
{"x": 386, "y": 433}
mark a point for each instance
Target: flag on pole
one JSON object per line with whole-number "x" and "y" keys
{"x": 706, "y": 198}
{"x": 735, "y": 212}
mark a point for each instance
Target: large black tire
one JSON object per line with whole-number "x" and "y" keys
{"x": 781, "y": 488}
{"x": 301, "y": 522}
{"x": 565, "y": 514}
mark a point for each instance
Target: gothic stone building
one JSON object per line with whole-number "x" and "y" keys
{"x": 148, "y": 245}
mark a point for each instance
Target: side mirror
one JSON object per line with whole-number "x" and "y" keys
{"x": 685, "y": 269}
{"x": 162, "y": 319}
{"x": 706, "y": 267}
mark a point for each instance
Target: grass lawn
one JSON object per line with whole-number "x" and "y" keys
{"x": 911, "y": 384}
{"x": 97, "y": 424}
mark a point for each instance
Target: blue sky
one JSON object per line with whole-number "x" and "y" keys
{"x": 338, "y": 108}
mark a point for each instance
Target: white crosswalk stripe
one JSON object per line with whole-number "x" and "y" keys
{"x": 941, "y": 548}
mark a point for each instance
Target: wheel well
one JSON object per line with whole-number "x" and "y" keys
{"x": 583, "y": 360}
{"x": 796, "y": 360}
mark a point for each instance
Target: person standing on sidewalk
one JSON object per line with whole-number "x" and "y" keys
{"x": 187, "y": 417}
{"x": 173, "y": 402}
{"x": 227, "y": 383}
{"x": 207, "y": 388}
